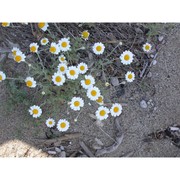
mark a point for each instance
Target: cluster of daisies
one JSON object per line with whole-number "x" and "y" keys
{"x": 65, "y": 72}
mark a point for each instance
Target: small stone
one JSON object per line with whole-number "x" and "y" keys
{"x": 98, "y": 141}
{"x": 149, "y": 75}
{"x": 154, "y": 62}
{"x": 96, "y": 146}
{"x": 155, "y": 108}
{"x": 58, "y": 150}
{"x": 52, "y": 152}
{"x": 160, "y": 38}
{"x": 63, "y": 154}
{"x": 143, "y": 104}
{"x": 114, "y": 81}
{"x": 62, "y": 148}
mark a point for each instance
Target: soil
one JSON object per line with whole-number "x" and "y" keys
{"x": 160, "y": 91}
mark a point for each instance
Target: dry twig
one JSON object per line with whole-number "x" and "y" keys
{"x": 113, "y": 147}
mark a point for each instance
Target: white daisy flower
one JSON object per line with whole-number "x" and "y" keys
{"x": 2, "y": 76}
{"x": 62, "y": 67}
{"x": 116, "y": 109}
{"x": 82, "y": 68}
{"x": 62, "y": 58}
{"x": 88, "y": 82}
{"x": 63, "y": 125}
{"x": 50, "y": 122}
{"x": 30, "y": 82}
{"x": 58, "y": 79}
{"x": 35, "y": 111}
{"x": 102, "y": 113}
{"x": 85, "y": 35}
{"x": 100, "y": 100}
{"x": 64, "y": 44}
{"x": 76, "y": 103}
{"x": 5, "y": 24}
{"x": 43, "y": 26}
{"x": 33, "y": 47}
{"x": 19, "y": 57}
{"x": 54, "y": 48}
{"x": 93, "y": 93}
{"x": 126, "y": 57}
{"x": 44, "y": 41}
{"x": 15, "y": 50}
{"x": 147, "y": 47}
{"x": 98, "y": 48}
{"x": 72, "y": 72}
{"x": 130, "y": 76}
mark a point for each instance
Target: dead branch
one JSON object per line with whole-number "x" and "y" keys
{"x": 113, "y": 147}
{"x": 144, "y": 69}
{"x": 57, "y": 141}
{"x": 86, "y": 149}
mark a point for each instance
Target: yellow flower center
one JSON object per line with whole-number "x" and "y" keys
{"x": 87, "y": 81}
{"x": 50, "y": 122}
{"x": 5, "y": 24}
{"x": 63, "y": 125}
{"x": 72, "y": 72}
{"x": 44, "y": 41}
{"x": 41, "y": 25}
{"x": 58, "y": 79}
{"x": 100, "y": 99}
{"x": 116, "y": 109}
{"x": 85, "y": 34}
{"x": 126, "y": 57}
{"x": 130, "y": 76}
{"x": 18, "y": 58}
{"x": 62, "y": 58}
{"x": 0, "y": 78}
{"x": 52, "y": 49}
{"x": 29, "y": 83}
{"x": 76, "y": 103}
{"x": 98, "y": 48}
{"x": 64, "y": 44}
{"x": 62, "y": 68}
{"x": 93, "y": 93}
{"x": 32, "y": 48}
{"x": 35, "y": 111}
{"x": 82, "y": 68}
{"x": 102, "y": 113}
{"x": 147, "y": 47}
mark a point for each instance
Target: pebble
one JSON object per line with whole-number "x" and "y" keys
{"x": 155, "y": 108}
{"x": 96, "y": 146}
{"x": 114, "y": 81}
{"x": 149, "y": 75}
{"x": 62, "y": 148}
{"x": 99, "y": 142}
{"x": 52, "y": 152}
{"x": 154, "y": 62}
{"x": 160, "y": 38}
{"x": 58, "y": 150}
{"x": 63, "y": 154}
{"x": 143, "y": 104}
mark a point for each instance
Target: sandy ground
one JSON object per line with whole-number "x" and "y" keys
{"x": 161, "y": 91}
